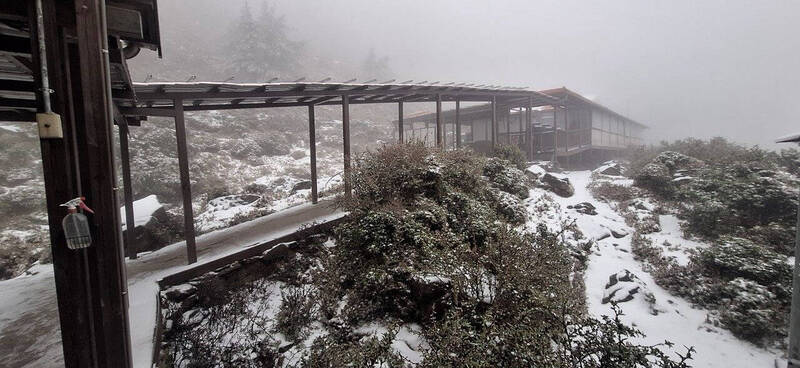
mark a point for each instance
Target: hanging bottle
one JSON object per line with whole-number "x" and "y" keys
{"x": 76, "y": 225}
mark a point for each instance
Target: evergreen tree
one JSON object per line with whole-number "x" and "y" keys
{"x": 258, "y": 48}
{"x": 376, "y": 67}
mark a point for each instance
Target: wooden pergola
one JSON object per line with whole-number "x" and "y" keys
{"x": 174, "y": 99}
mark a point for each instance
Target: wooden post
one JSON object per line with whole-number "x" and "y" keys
{"x": 458, "y": 123}
{"x": 348, "y": 186}
{"x": 312, "y": 147}
{"x": 186, "y": 185}
{"x": 130, "y": 223}
{"x": 439, "y": 127}
{"x": 107, "y": 273}
{"x": 529, "y": 127}
{"x": 62, "y": 183}
{"x": 555, "y": 134}
{"x": 400, "y": 121}
{"x": 494, "y": 121}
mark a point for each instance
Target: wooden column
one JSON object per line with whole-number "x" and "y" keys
{"x": 186, "y": 185}
{"x": 439, "y": 127}
{"x": 494, "y": 121}
{"x": 529, "y": 127}
{"x": 107, "y": 273}
{"x": 458, "y": 123}
{"x": 62, "y": 183}
{"x": 130, "y": 223}
{"x": 348, "y": 185}
{"x": 555, "y": 134}
{"x": 400, "y": 121}
{"x": 312, "y": 148}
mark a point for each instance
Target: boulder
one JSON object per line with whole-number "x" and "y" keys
{"x": 151, "y": 222}
{"x": 585, "y": 208}
{"x": 558, "y": 185}
{"x": 303, "y": 185}
{"x": 612, "y": 168}
{"x": 625, "y": 286}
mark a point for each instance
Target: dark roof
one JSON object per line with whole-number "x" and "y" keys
{"x": 17, "y": 87}
{"x": 155, "y": 97}
{"x": 571, "y": 98}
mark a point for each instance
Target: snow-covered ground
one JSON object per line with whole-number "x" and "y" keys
{"x": 675, "y": 319}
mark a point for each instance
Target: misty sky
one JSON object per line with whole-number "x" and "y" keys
{"x": 685, "y": 68}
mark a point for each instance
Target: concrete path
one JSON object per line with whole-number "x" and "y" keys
{"x": 29, "y": 327}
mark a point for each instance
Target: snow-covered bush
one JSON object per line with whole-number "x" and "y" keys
{"x": 734, "y": 199}
{"x": 511, "y": 153}
{"x": 750, "y": 311}
{"x": 612, "y": 192}
{"x": 506, "y": 177}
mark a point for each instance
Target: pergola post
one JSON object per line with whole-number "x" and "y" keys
{"x": 348, "y": 186}
{"x": 400, "y": 121}
{"x": 186, "y": 185}
{"x": 439, "y": 127}
{"x": 529, "y": 127}
{"x": 555, "y": 133}
{"x": 312, "y": 148}
{"x": 494, "y": 121}
{"x": 458, "y": 123}
{"x": 130, "y": 223}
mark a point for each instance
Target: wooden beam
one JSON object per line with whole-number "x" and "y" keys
{"x": 458, "y": 123}
{"x": 186, "y": 185}
{"x": 130, "y": 223}
{"x": 439, "y": 127}
{"x": 400, "y": 121}
{"x": 348, "y": 185}
{"x": 147, "y": 111}
{"x": 312, "y": 146}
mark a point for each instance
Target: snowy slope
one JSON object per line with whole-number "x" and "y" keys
{"x": 677, "y": 321}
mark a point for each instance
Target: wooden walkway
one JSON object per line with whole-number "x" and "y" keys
{"x": 29, "y": 328}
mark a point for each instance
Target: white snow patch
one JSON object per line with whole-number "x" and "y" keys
{"x": 143, "y": 211}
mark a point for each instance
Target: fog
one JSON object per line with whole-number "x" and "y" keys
{"x": 684, "y": 68}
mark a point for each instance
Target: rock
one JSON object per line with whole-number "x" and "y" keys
{"x": 612, "y": 168}
{"x": 558, "y": 185}
{"x": 303, "y": 185}
{"x": 585, "y": 208}
{"x": 618, "y": 233}
{"x": 625, "y": 286}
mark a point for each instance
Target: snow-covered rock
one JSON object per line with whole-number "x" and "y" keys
{"x": 624, "y": 286}
{"x": 558, "y": 184}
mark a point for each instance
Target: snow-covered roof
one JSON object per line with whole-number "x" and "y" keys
{"x": 221, "y": 95}
{"x": 789, "y": 138}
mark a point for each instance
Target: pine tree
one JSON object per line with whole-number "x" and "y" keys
{"x": 376, "y": 67}
{"x": 260, "y": 47}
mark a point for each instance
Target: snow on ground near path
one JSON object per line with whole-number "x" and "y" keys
{"x": 29, "y": 327}
{"x": 679, "y": 322}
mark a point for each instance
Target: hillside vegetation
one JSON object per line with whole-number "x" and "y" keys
{"x": 432, "y": 268}
{"x": 743, "y": 203}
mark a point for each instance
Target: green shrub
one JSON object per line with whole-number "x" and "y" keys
{"x": 298, "y": 308}
{"x": 511, "y": 153}
{"x": 732, "y": 258}
{"x": 611, "y": 192}
{"x": 750, "y": 311}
